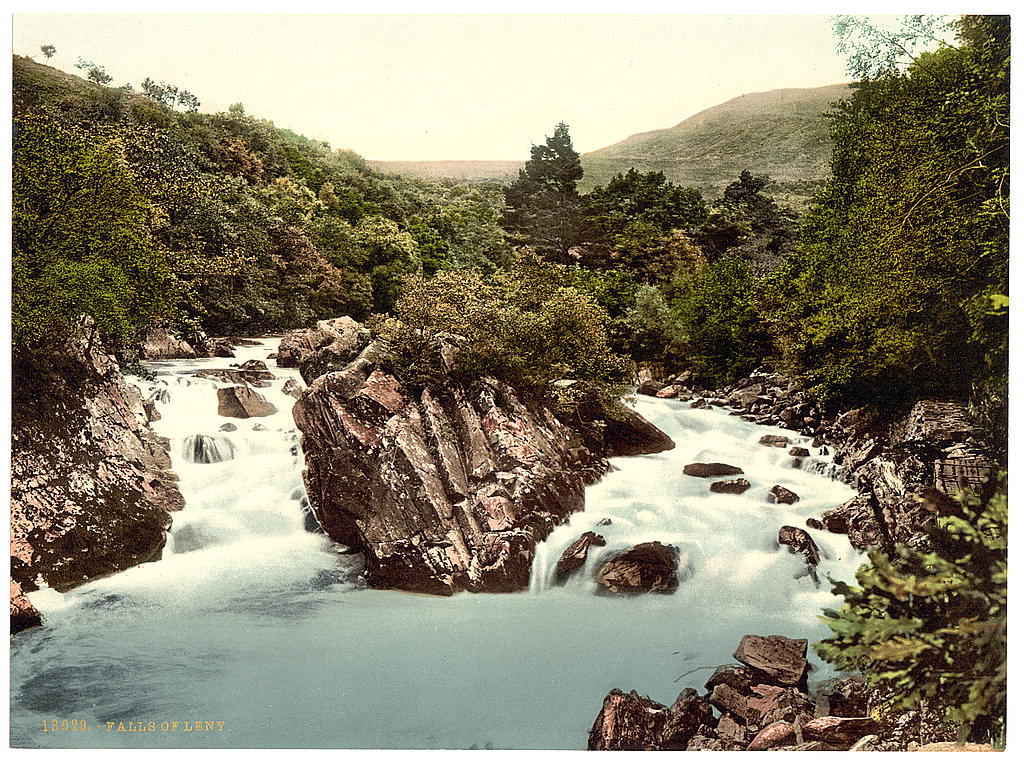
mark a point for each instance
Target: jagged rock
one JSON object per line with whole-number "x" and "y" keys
{"x": 649, "y": 387}
{"x": 700, "y": 403}
{"x": 732, "y": 732}
{"x": 444, "y": 491}
{"x": 292, "y": 387}
{"x": 632, "y": 722}
{"x": 705, "y": 470}
{"x": 242, "y": 402}
{"x": 160, "y": 344}
{"x": 782, "y": 658}
{"x": 848, "y": 697}
{"x": 688, "y": 714}
{"x": 938, "y": 422}
{"x": 779, "y": 494}
{"x": 801, "y": 543}
{"x": 731, "y": 487}
{"x": 91, "y": 485}
{"x": 575, "y": 555}
{"x": 780, "y": 442}
{"x": 800, "y": 451}
{"x": 775, "y": 734}
{"x": 255, "y": 377}
{"x": 626, "y": 434}
{"x": 217, "y": 347}
{"x": 341, "y": 339}
{"x": 644, "y": 568}
{"x": 670, "y": 391}
{"x": 23, "y": 614}
{"x": 740, "y": 678}
{"x": 149, "y": 407}
{"x": 815, "y": 524}
{"x": 839, "y": 730}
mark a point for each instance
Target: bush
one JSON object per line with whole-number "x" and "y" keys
{"x": 931, "y": 625}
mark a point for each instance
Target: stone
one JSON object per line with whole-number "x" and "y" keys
{"x": 800, "y": 543}
{"x": 575, "y": 555}
{"x": 604, "y": 522}
{"x": 292, "y": 387}
{"x": 705, "y": 470}
{"x": 779, "y": 494}
{"x": 160, "y": 344}
{"x": 814, "y": 524}
{"x": 776, "y": 734}
{"x": 339, "y": 339}
{"x": 953, "y": 746}
{"x": 731, "y": 487}
{"x": 260, "y": 378}
{"x": 627, "y": 434}
{"x": 228, "y": 427}
{"x": 839, "y": 729}
{"x": 149, "y": 407}
{"x": 91, "y": 485}
{"x": 776, "y": 441}
{"x": 867, "y": 743}
{"x": 739, "y": 678}
{"x": 670, "y": 391}
{"x": 242, "y": 402}
{"x": 649, "y": 387}
{"x": 644, "y": 568}
{"x": 632, "y": 722}
{"x": 799, "y": 451}
{"x": 23, "y": 614}
{"x": 783, "y": 659}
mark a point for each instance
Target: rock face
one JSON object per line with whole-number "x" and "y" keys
{"x": 90, "y": 482}
{"x": 705, "y": 470}
{"x": 575, "y": 555}
{"x": 160, "y": 344}
{"x": 631, "y": 722}
{"x": 328, "y": 346}
{"x": 644, "y": 568}
{"x": 23, "y": 614}
{"x": 443, "y": 489}
{"x": 242, "y": 402}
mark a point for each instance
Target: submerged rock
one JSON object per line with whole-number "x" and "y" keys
{"x": 575, "y": 555}
{"x": 704, "y": 470}
{"x": 242, "y": 402}
{"x": 779, "y": 494}
{"x": 731, "y": 487}
{"x": 644, "y": 568}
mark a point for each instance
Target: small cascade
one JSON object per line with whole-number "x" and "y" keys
{"x": 208, "y": 449}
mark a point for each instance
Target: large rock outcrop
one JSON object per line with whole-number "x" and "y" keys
{"x": 91, "y": 485}
{"x": 328, "y": 346}
{"x": 445, "y": 488}
{"x": 160, "y": 344}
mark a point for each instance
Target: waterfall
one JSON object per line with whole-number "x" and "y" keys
{"x": 208, "y": 449}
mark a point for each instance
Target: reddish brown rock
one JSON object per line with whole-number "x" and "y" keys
{"x": 644, "y": 568}
{"x": 292, "y": 387}
{"x": 731, "y": 487}
{"x": 649, "y": 387}
{"x": 242, "y": 402}
{"x": 705, "y": 470}
{"x": 779, "y": 494}
{"x": 23, "y": 614}
{"x": 838, "y": 730}
{"x": 340, "y": 339}
{"x": 632, "y": 722}
{"x": 774, "y": 735}
{"x": 160, "y": 344}
{"x": 782, "y": 658}
{"x": 780, "y": 442}
{"x": 575, "y": 555}
{"x": 670, "y": 391}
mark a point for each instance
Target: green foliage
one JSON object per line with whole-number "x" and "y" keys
{"x": 81, "y": 245}
{"x": 886, "y": 295}
{"x": 635, "y": 197}
{"x": 931, "y": 625}
{"x": 516, "y": 325}
{"x": 542, "y": 206}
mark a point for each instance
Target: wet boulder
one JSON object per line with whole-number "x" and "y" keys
{"x": 627, "y": 434}
{"x": 800, "y": 451}
{"x": 149, "y": 406}
{"x": 780, "y": 442}
{"x": 160, "y": 344}
{"x": 731, "y": 487}
{"x": 575, "y": 555}
{"x": 800, "y": 543}
{"x": 242, "y": 402}
{"x": 644, "y": 568}
{"x": 669, "y": 391}
{"x": 292, "y": 387}
{"x": 649, "y": 387}
{"x": 779, "y": 494}
{"x": 705, "y": 470}
{"x": 783, "y": 659}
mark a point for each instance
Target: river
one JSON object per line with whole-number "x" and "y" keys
{"x": 252, "y": 621}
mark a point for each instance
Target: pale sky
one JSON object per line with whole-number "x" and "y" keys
{"x": 450, "y": 87}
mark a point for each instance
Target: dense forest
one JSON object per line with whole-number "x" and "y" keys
{"x": 136, "y": 209}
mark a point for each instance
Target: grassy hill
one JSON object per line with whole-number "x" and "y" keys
{"x": 475, "y": 170}
{"x": 782, "y": 133}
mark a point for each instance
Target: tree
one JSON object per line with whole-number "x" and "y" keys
{"x": 543, "y": 206}
{"x": 170, "y": 95}
{"x": 81, "y": 244}
{"x": 94, "y": 72}
{"x": 48, "y": 50}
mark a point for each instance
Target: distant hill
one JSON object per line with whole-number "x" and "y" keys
{"x": 475, "y": 170}
{"x": 782, "y": 133}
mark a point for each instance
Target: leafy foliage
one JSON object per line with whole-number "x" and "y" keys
{"x": 932, "y": 624}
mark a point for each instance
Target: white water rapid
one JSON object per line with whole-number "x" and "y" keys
{"x": 251, "y": 620}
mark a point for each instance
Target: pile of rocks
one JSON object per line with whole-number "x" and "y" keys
{"x": 763, "y": 704}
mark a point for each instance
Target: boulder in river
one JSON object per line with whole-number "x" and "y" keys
{"x": 776, "y": 441}
{"x": 644, "y": 568}
{"x": 160, "y": 344}
{"x": 783, "y": 659}
{"x": 800, "y": 451}
{"x": 575, "y": 555}
{"x": 242, "y": 402}
{"x": 731, "y": 487}
{"x": 705, "y": 470}
{"x": 799, "y": 542}
{"x": 443, "y": 489}
{"x": 779, "y": 494}
{"x": 627, "y": 434}
{"x": 649, "y": 387}
{"x": 669, "y": 391}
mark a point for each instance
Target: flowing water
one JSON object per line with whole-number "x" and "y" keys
{"x": 252, "y": 620}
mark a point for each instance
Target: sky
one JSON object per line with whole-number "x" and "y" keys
{"x": 441, "y": 87}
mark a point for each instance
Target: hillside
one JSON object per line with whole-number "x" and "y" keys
{"x": 474, "y": 170}
{"x": 782, "y": 133}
